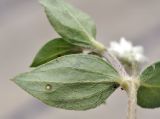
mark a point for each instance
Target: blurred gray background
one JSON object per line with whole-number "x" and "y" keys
{"x": 24, "y": 29}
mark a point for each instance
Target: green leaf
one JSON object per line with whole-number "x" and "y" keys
{"x": 76, "y": 82}
{"x": 53, "y": 49}
{"x": 149, "y": 91}
{"x": 73, "y": 25}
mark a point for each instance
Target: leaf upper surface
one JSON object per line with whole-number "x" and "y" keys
{"x": 53, "y": 49}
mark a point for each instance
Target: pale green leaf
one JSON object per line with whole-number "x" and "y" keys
{"x": 76, "y": 82}
{"x": 149, "y": 91}
{"x": 72, "y": 24}
{"x": 53, "y": 49}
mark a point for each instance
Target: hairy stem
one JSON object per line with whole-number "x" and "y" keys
{"x": 132, "y": 95}
{"x": 130, "y": 84}
{"x": 116, "y": 64}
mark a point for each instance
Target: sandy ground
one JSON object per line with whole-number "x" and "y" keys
{"x": 24, "y": 29}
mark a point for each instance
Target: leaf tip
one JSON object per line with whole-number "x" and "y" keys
{"x": 41, "y": 1}
{"x": 35, "y": 62}
{"x": 13, "y": 79}
{"x": 32, "y": 65}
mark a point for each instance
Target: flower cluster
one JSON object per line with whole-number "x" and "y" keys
{"x": 125, "y": 51}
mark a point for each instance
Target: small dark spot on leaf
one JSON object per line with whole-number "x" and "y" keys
{"x": 115, "y": 86}
{"x": 59, "y": 55}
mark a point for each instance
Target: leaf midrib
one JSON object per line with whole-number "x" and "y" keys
{"x": 80, "y": 69}
{"x": 149, "y": 85}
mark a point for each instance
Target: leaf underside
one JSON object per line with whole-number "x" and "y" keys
{"x": 73, "y": 25}
{"x": 74, "y": 82}
{"x": 149, "y": 91}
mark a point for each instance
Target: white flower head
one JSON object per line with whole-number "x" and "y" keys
{"x": 124, "y": 50}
